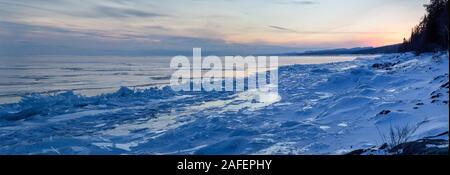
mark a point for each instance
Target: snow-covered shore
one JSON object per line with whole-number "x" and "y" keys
{"x": 321, "y": 109}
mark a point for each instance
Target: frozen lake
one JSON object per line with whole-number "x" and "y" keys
{"x": 93, "y": 75}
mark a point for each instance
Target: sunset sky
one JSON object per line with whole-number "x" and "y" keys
{"x": 218, "y": 26}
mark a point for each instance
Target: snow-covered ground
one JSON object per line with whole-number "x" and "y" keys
{"x": 320, "y": 109}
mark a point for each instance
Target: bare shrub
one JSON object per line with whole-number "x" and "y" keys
{"x": 399, "y": 134}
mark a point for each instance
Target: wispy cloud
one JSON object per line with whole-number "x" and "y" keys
{"x": 287, "y": 30}
{"x": 94, "y": 9}
{"x": 125, "y": 12}
{"x": 298, "y": 2}
{"x": 304, "y": 2}
{"x": 283, "y": 29}
{"x": 28, "y": 6}
{"x": 29, "y": 39}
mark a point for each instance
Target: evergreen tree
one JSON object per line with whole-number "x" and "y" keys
{"x": 431, "y": 34}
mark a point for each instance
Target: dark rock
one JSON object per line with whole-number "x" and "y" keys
{"x": 436, "y": 96}
{"x": 384, "y": 146}
{"x": 357, "y": 152}
{"x": 386, "y": 66}
{"x": 422, "y": 147}
{"x": 426, "y": 146}
{"x": 440, "y": 77}
{"x": 439, "y": 135}
{"x": 384, "y": 112}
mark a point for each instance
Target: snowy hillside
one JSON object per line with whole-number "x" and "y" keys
{"x": 321, "y": 109}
